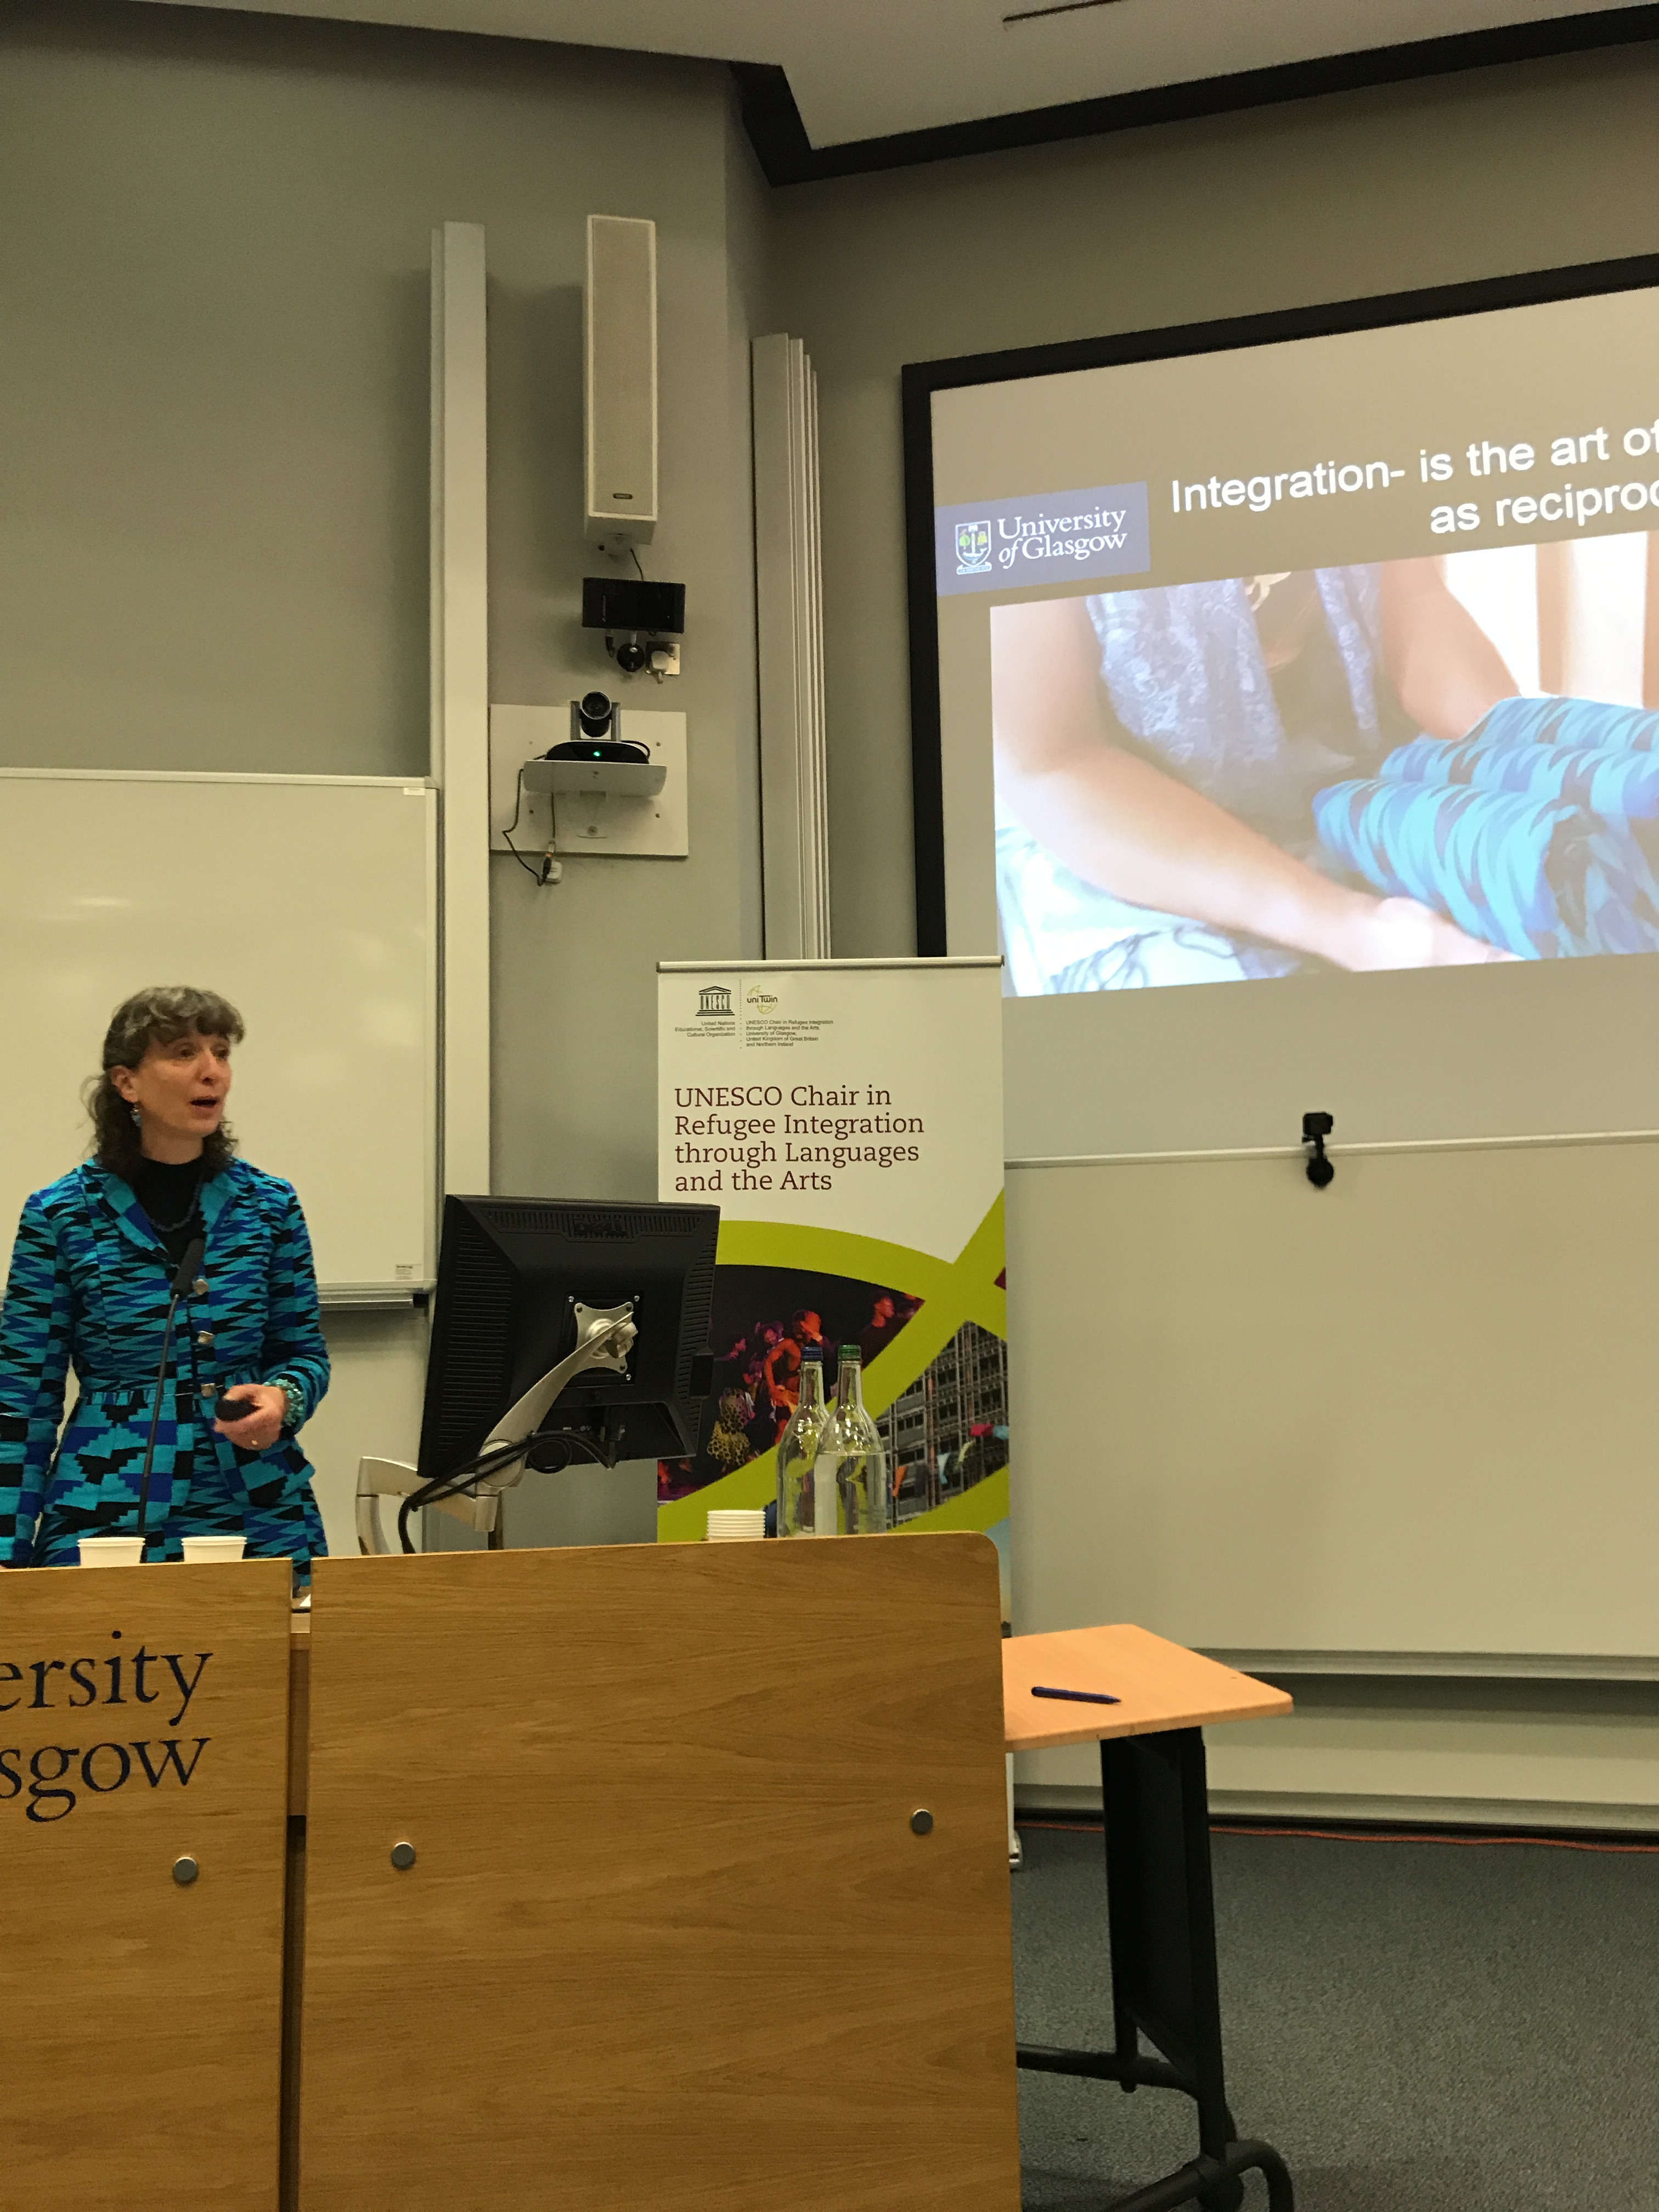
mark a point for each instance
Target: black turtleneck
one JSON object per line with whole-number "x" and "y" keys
{"x": 166, "y": 1190}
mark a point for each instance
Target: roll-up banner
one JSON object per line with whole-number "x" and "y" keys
{"x": 846, "y": 1116}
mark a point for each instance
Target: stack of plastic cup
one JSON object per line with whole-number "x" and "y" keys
{"x": 736, "y": 1524}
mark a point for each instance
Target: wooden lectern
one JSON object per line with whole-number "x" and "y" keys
{"x": 616, "y": 1878}
{"x": 143, "y": 1781}
{"x": 658, "y": 1877}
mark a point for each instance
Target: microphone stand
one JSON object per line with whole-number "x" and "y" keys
{"x": 183, "y": 1276}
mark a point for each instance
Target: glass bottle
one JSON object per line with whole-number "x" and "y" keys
{"x": 850, "y": 1456}
{"x": 798, "y": 1453}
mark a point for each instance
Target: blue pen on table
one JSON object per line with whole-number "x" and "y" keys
{"x": 1079, "y": 1696}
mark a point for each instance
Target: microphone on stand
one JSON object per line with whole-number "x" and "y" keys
{"x": 183, "y": 1275}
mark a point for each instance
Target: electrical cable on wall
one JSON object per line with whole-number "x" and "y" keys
{"x": 542, "y": 875}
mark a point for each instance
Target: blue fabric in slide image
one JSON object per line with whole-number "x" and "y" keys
{"x": 1533, "y": 877}
{"x": 1556, "y": 721}
{"x": 1600, "y": 778}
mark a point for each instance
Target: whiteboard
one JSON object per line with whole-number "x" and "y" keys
{"x": 1417, "y": 1412}
{"x": 310, "y": 902}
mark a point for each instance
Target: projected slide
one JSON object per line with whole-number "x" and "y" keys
{"x": 1335, "y": 654}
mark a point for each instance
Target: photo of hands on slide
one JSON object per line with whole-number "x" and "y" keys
{"x": 1412, "y": 764}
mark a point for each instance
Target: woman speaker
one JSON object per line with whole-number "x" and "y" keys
{"x": 97, "y": 1273}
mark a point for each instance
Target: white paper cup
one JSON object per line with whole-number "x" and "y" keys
{"x": 736, "y": 1524}
{"x": 203, "y": 1548}
{"x": 111, "y": 1550}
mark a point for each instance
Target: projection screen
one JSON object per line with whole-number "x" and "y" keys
{"x": 1317, "y": 652}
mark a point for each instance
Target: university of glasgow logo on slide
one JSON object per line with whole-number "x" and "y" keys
{"x": 714, "y": 999}
{"x": 1042, "y": 537}
{"x": 973, "y": 547}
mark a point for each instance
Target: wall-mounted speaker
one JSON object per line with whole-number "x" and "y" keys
{"x": 619, "y": 380}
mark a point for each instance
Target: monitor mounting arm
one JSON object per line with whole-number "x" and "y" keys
{"x": 605, "y": 1335}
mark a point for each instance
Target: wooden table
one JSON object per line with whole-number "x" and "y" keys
{"x": 1160, "y": 1907}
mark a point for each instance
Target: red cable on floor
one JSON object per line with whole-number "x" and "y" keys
{"x": 1383, "y": 1836}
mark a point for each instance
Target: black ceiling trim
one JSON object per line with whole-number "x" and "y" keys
{"x": 788, "y": 156}
{"x": 1429, "y": 303}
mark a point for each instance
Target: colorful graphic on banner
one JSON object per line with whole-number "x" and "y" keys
{"x": 846, "y": 1119}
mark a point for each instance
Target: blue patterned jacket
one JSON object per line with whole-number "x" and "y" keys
{"x": 89, "y": 1287}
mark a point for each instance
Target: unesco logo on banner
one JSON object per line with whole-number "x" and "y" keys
{"x": 1051, "y": 538}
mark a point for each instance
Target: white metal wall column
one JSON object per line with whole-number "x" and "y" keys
{"x": 789, "y": 613}
{"x": 460, "y": 696}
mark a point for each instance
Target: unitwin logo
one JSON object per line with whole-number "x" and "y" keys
{"x": 1051, "y": 537}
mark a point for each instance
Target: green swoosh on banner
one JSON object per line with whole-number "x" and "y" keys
{"x": 952, "y": 1291}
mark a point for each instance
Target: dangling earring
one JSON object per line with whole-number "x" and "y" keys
{"x": 137, "y": 1118}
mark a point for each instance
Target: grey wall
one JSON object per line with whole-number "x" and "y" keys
{"x": 214, "y": 444}
{"x": 214, "y": 452}
{"x": 573, "y": 966}
{"x": 1470, "y": 176}
{"x": 213, "y": 482}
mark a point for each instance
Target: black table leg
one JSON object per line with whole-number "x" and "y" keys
{"x": 1160, "y": 1919}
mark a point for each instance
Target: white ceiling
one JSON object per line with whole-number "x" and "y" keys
{"x": 867, "y": 68}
